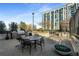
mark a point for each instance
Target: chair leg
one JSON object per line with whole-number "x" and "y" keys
{"x": 22, "y": 48}
{"x": 43, "y": 44}
{"x": 35, "y": 43}
{"x": 30, "y": 49}
{"x": 41, "y": 47}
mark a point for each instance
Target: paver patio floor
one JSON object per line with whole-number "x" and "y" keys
{"x": 8, "y": 48}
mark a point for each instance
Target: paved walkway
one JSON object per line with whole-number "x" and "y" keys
{"x": 8, "y": 48}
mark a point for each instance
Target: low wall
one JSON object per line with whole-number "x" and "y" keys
{"x": 46, "y": 34}
{"x": 2, "y": 36}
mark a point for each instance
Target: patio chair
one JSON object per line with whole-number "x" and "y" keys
{"x": 19, "y": 38}
{"x": 11, "y": 35}
{"x": 20, "y": 41}
{"x": 24, "y": 43}
{"x": 28, "y": 43}
{"x": 30, "y": 34}
{"x": 40, "y": 42}
{"x": 7, "y": 37}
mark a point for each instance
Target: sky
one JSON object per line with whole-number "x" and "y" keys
{"x": 17, "y": 12}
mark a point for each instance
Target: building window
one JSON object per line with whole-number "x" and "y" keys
{"x": 48, "y": 16}
{"x": 61, "y": 14}
{"x": 56, "y": 14}
{"x": 52, "y": 19}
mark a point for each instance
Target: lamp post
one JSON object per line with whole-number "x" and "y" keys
{"x": 33, "y": 21}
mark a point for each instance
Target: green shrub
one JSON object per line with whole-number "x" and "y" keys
{"x": 62, "y": 48}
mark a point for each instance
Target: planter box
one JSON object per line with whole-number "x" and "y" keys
{"x": 63, "y": 53}
{"x": 63, "y": 50}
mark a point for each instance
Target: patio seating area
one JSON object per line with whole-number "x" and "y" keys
{"x": 13, "y": 48}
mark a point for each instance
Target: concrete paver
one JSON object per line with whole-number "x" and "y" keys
{"x": 8, "y": 48}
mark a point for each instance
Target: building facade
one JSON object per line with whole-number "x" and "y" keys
{"x": 74, "y": 23}
{"x": 55, "y": 17}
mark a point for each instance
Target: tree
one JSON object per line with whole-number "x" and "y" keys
{"x": 13, "y": 26}
{"x": 29, "y": 27}
{"x": 23, "y": 25}
{"x": 2, "y": 27}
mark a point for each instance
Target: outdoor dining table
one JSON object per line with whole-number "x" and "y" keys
{"x": 32, "y": 38}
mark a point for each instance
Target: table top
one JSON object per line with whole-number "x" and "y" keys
{"x": 32, "y": 37}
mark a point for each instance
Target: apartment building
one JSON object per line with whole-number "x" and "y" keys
{"x": 53, "y": 18}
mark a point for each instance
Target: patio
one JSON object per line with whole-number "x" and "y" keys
{"x": 8, "y": 48}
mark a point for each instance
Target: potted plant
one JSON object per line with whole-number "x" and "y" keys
{"x": 62, "y": 49}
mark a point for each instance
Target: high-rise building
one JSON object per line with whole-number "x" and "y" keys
{"x": 54, "y": 17}
{"x": 46, "y": 21}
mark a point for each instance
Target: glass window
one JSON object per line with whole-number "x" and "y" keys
{"x": 48, "y": 16}
{"x": 52, "y": 19}
{"x": 61, "y": 14}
